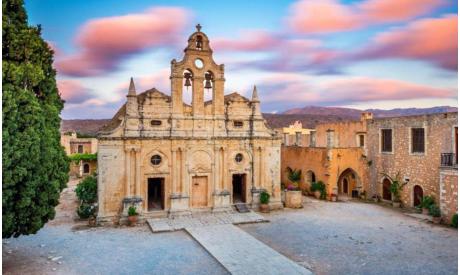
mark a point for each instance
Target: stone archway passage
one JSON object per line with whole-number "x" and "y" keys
{"x": 386, "y": 193}
{"x": 418, "y": 195}
{"x": 348, "y": 183}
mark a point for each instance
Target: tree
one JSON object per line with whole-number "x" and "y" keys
{"x": 35, "y": 167}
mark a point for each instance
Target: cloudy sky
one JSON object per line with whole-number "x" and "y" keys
{"x": 362, "y": 54}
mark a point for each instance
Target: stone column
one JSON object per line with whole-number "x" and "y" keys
{"x": 261, "y": 169}
{"x": 224, "y": 170}
{"x": 128, "y": 172}
{"x": 173, "y": 172}
{"x": 138, "y": 171}
{"x": 176, "y": 94}
{"x": 216, "y": 170}
{"x": 184, "y": 187}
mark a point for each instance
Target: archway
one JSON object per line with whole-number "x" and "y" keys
{"x": 386, "y": 187}
{"x": 85, "y": 168}
{"x": 418, "y": 195}
{"x": 310, "y": 177}
{"x": 348, "y": 183}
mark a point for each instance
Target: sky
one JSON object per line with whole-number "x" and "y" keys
{"x": 361, "y": 54}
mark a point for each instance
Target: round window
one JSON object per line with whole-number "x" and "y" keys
{"x": 156, "y": 159}
{"x": 198, "y": 63}
{"x": 238, "y": 157}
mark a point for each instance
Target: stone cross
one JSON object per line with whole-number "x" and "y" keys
{"x": 198, "y": 27}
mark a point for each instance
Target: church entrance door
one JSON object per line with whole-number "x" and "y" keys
{"x": 199, "y": 191}
{"x": 239, "y": 188}
{"x": 155, "y": 194}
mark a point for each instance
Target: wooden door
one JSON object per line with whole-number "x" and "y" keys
{"x": 418, "y": 195}
{"x": 200, "y": 191}
{"x": 345, "y": 186}
{"x": 386, "y": 194}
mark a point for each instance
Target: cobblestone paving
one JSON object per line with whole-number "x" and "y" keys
{"x": 240, "y": 253}
{"x": 203, "y": 219}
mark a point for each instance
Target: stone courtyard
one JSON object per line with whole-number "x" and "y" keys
{"x": 326, "y": 238}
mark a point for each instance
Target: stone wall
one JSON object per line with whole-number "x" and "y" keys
{"x": 418, "y": 168}
{"x": 448, "y": 193}
{"x": 345, "y": 133}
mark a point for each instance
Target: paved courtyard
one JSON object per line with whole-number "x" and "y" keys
{"x": 327, "y": 238}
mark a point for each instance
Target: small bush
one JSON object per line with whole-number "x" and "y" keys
{"x": 454, "y": 221}
{"x": 85, "y": 210}
{"x": 264, "y": 197}
{"x": 427, "y": 202}
{"x": 435, "y": 211}
{"x": 132, "y": 211}
{"x": 87, "y": 190}
{"x": 319, "y": 186}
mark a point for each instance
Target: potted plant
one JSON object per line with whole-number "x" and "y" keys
{"x": 333, "y": 197}
{"x": 293, "y": 193}
{"x": 426, "y": 203}
{"x": 264, "y": 200}
{"x": 319, "y": 189}
{"x": 435, "y": 212}
{"x": 132, "y": 215}
{"x": 92, "y": 220}
{"x": 395, "y": 188}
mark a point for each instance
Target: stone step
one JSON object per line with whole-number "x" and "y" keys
{"x": 241, "y": 207}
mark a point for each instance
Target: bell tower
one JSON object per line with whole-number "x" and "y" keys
{"x": 198, "y": 71}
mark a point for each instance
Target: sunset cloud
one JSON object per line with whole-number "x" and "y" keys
{"x": 433, "y": 40}
{"x": 72, "y": 91}
{"x": 327, "y": 16}
{"x": 102, "y": 43}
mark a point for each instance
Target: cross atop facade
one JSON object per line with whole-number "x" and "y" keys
{"x": 198, "y": 27}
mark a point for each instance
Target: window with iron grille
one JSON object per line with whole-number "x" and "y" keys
{"x": 418, "y": 140}
{"x": 387, "y": 145}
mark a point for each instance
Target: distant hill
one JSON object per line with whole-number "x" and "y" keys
{"x": 355, "y": 113}
{"x": 310, "y": 116}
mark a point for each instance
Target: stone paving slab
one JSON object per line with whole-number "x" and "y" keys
{"x": 240, "y": 253}
{"x": 203, "y": 219}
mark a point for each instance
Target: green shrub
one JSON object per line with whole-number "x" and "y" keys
{"x": 264, "y": 197}
{"x": 76, "y": 158}
{"x": 427, "y": 202}
{"x": 435, "y": 211}
{"x": 132, "y": 211}
{"x": 319, "y": 186}
{"x": 454, "y": 221}
{"x": 87, "y": 190}
{"x": 86, "y": 210}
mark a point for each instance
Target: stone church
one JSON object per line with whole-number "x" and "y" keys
{"x": 168, "y": 157}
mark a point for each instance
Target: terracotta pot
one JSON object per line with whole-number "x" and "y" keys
{"x": 294, "y": 199}
{"x": 317, "y": 194}
{"x": 437, "y": 220}
{"x": 396, "y": 204}
{"x": 425, "y": 211}
{"x": 132, "y": 220}
{"x": 92, "y": 221}
{"x": 264, "y": 208}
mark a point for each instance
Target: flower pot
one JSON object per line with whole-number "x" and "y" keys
{"x": 334, "y": 198}
{"x": 425, "y": 211}
{"x": 293, "y": 199}
{"x": 92, "y": 221}
{"x": 396, "y": 204}
{"x": 132, "y": 220}
{"x": 437, "y": 220}
{"x": 264, "y": 208}
{"x": 376, "y": 200}
{"x": 317, "y": 194}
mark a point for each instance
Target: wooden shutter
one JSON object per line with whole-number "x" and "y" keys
{"x": 418, "y": 140}
{"x": 386, "y": 140}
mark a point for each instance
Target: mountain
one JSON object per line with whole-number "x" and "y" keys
{"x": 310, "y": 116}
{"x": 347, "y": 113}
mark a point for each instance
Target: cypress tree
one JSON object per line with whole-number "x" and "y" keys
{"x": 35, "y": 167}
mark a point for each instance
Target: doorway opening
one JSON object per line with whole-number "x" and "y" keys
{"x": 155, "y": 194}
{"x": 239, "y": 188}
{"x": 418, "y": 195}
{"x": 386, "y": 193}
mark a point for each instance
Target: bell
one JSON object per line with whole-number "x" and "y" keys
{"x": 187, "y": 79}
{"x": 199, "y": 44}
{"x": 207, "y": 84}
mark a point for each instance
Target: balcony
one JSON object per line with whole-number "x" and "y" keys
{"x": 448, "y": 160}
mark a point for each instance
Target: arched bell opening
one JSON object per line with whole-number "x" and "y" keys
{"x": 208, "y": 85}
{"x": 187, "y": 86}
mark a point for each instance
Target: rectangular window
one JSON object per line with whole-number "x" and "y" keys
{"x": 361, "y": 140}
{"x": 387, "y": 141}
{"x": 298, "y": 138}
{"x": 418, "y": 140}
{"x": 238, "y": 124}
{"x": 312, "y": 139}
{"x": 330, "y": 138}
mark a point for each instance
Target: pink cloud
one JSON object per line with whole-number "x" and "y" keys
{"x": 348, "y": 90}
{"x": 254, "y": 40}
{"x": 325, "y": 16}
{"x": 103, "y": 43}
{"x": 433, "y": 40}
{"x": 72, "y": 91}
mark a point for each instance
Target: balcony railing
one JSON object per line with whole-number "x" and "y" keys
{"x": 448, "y": 159}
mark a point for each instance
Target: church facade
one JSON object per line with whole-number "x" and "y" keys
{"x": 167, "y": 157}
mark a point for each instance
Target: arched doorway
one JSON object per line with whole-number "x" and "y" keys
{"x": 310, "y": 177}
{"x": 348, "y": 183}
{"x": 386, "y": 193}
{"x": 86, "y": 168}
{"x": 418, "y": 195}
